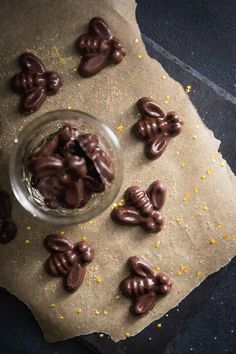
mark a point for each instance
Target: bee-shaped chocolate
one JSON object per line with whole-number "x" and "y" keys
{"x": 142, "y": 208}
{"x": 68, "y": 260}
{"x": 34, "y": 83}
{"x": 144, "y": 285}
{"x": 98, "y": 48}
{"x": 155, "y": 127}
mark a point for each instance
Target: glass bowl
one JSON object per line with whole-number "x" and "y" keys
{"x": 32, "y": 136}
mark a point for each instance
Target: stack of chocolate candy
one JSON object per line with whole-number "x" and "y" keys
{"x": 69, "y": 167}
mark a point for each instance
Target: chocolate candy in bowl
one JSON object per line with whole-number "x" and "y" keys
{"x": 66, "y": 167}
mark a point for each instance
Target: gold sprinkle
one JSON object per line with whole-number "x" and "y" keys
{"x": 219, "y": 226}
{"x": 196, "y": 189}
{"x": 136, "y": 40}
{"x": 84, "y": 238}
{"x": 121, "y": 202}
{"x": 120, "y": 127}
{"x": 127, "y": 334}
{"x": 157, "y": 244}
{"x": 157, "y": 269}
{"x": 61, "y": 317}
{"x": 98, "y": 279}
{"x": 74, "y": 69}
{"x": 105, "y": 312}
{"x": 225, "y": 235}
{"x": 222, "y": 164}
{"x": 197, "y": 126}
{"x": 27, "y": 242}
{"x": 117, "y": 297}
{"x": 62, "y": 233}
{"x": 205, "y": 208}
{"x": 212, "y": 241}
{"x": 178, "y": 219}
{"x": 96, "y": 312}
{"x": 28, "y": 228}
{"x": 203, "y": 177}
{"x": 140, "y": 56}
{"x": 168, "y": 97}
{"x": 183, "y": 163}
{"x": 199, "y": 274}
{"x": 91, "y": 222}
{"x": 78, "y": 311}
{"x": 166, "y": 101}
{"x": 186, "y": 197}
{"x": 213, "y": 157}
{"x": 68, "y": 106}
{"x": 163, "y": 77}
{"x": 179, "y": 273}
{"x": 210, "y": 171}
{"x": 114, "y": 205}
{"x": 159, "y": 325}
{"x": 234, "y": 238}
{"x": 189, "y": 87}
{"x": 194, "y": 137}
{"x": 53, "y": 306}
{"x": 184, "y": 268}
{"x": 181, "y": 86}
{"x": 101, "y": 335}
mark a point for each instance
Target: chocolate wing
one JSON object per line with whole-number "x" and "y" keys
{"x": 57, "y": 244}
{"x": 30, "y": 62}
{"x": 157, "y": 193}
{"x": 149, "y": 108}
{"x": 143, "y": 304}
{"x": 99, "y": 27}
{"x": 74, "y": 278}
{"x": 91, "y": 64}
{"x": 32, "y": 100}
{"x": 126, "y": 216}
{"x": 140, "y": 267}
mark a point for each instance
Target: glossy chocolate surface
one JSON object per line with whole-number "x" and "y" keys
{"x": 34, "y": 83}
{"x": 68, "y": 260}
{"x": 144, "y": 285}
{"x": 143, "y": 208}
{"x": 98, "y": 48}
{"x": 155, "y": 127}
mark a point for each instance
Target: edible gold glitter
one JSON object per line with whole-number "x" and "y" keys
{"x": 98, "y": 279}
{"x": 68, "y": 106}
{"x": 166, "y": 101}
{"x": 225, "y": 235}
{"x": 210, "y": 171}
{"x": 105, "y": 312}
{"x": 121, "y": 202}
{"x": 178, "y": 219}
{"x": 101, "y": 335}
{"x": 157, "y": 244}
{"x": 194, "y": 137}
{"x": 120, "y": 128}
{"x": 196, "y": 189}
{"x": 61, "y": 317}
{"x": 234, "y": 238}
{"x": 84, "y": 238}
{"x": 28, "y": 228}
{"x": 96, "y": 312}
{"x": 184, "y": 268}
{"x": 168, "y": 97}
{"x": 53, "y": 306}
{"x": 222, "y": 164}
{"x": 205, "y": 208}
{"x": 91, "y": 222}
{"x": 186, "y": 197}
{"x": 157, "y": 269}
{"x": 62, "y": 233}
{"x": 159, "y": 325}
{"x": 219, "y": 226}
{"x": 136, "y": 40}
{"x": 117, "y": 297}
{"x": 27, "y": 242}
{"x": 140, "y": 56}
{"x": 74, "y": 69}
{"x": 183, "y": 163}
{"x": 163, "y": 77}
{"x": 212, "y": 241}
{"x": 179, "y": 272}
{"x": 199, "y": 274}
{"x": 203, "y": 177}
{"x": 78, "y": 311}
{"x": 213, "y": 157}
{"x": 127, "y": 334}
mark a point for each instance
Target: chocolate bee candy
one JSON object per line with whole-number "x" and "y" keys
{"x": 34, "y": 83}
{"x": 68, "y": 260}
{"x": 8, "y": 228}
{"x": 68, "y": 167}
{"x": 144, "y": 285}
{"x": 155, "y": 127}
{"x": 142, "y": 208}
{"x": 98, "y": 48}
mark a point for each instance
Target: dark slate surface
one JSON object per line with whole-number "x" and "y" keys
{"x": 212, "y": 330}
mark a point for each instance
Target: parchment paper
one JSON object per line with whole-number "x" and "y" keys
{"x": 183, "y": 249}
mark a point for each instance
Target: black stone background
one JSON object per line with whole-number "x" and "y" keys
{"x": 202, "y": 35}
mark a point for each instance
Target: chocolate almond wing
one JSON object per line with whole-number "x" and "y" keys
{"x": 155, "y": 147}
{"x": 157, "y": 193}
{"x": 149, "y": 108}
{"x": 32, "y": 100}
{"x": 140, "y": 267}
{"x": 126, "y": 216}
{"x": 57, "y": 244}
{"x": 143, "y": 304}
{"x": 30, "y": 62}
{"x": 91, "y": 64}
{"x": 99, "y": 27}
{"x": 74, "y": 278}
